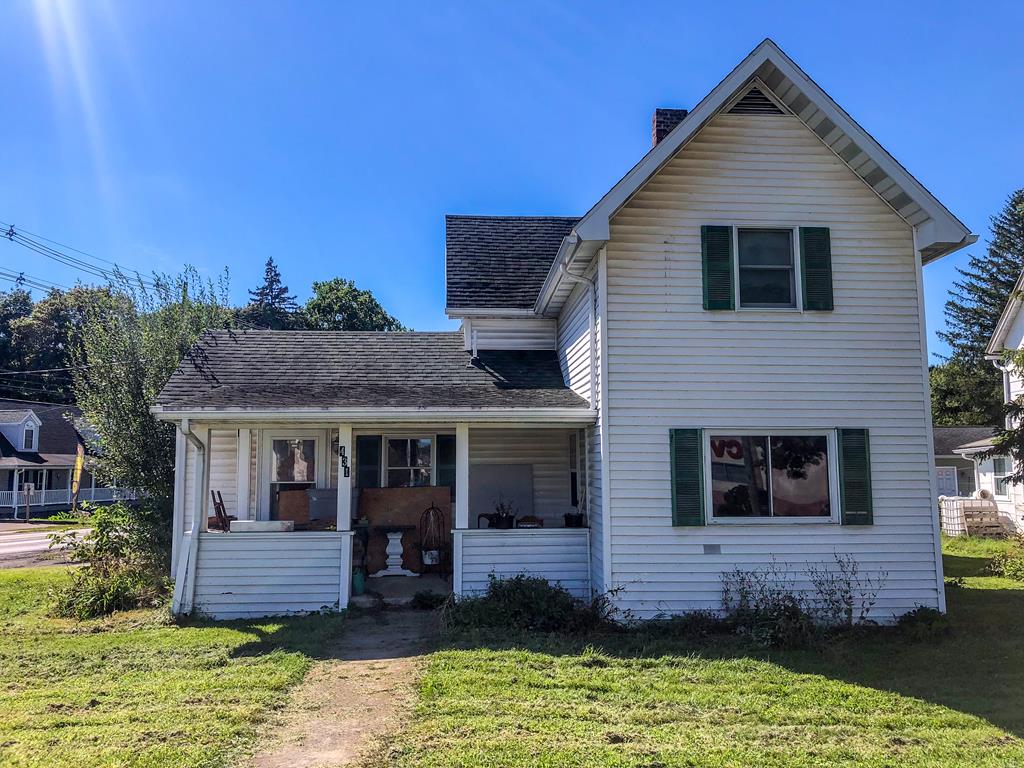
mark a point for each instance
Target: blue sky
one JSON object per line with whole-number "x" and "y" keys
{"x": 335, "y": 136}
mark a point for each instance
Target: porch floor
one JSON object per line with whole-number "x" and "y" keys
{"x": 399, "y": 590}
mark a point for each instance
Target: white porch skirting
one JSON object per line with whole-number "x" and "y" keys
{"x": 245, "y": 575}
{"x": 560, "y": 555}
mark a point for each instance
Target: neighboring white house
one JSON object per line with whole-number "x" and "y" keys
{"x": 38, "y": 449}
{"x": 955, "y": 474}
{"x": 722, "y": 363}
{"x": 991, "y": 471}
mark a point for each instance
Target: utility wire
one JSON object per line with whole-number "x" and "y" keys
{"x": 95, "y": 270}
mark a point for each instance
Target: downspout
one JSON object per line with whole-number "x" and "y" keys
{"x": 184, "y": 585}
{"x": 1005, "y": 370}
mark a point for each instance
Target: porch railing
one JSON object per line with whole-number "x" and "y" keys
{"x": 41, "y": 498}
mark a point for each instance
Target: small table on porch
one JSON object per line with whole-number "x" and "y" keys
{"x": 393, "y": 565}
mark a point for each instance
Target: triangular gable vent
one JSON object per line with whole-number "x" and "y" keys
{"x": 755, "y": 103}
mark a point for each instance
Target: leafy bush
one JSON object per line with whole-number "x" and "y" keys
{"x": 528, "y": 603}
{"x": 923, "y": 623}
{"x": 692, "y": 625}
{"x": 1010, "y": 564}
{"x": 122, "y": 566}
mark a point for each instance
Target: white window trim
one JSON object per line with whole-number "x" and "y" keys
{"x": 384, "y": 467}
{"x": 794, "y": 240}
{"x": 996, "y": 477}
{"x": 833, "y": 476}
{"x": 35, "y": 437}
{"x": 322, "y": 438}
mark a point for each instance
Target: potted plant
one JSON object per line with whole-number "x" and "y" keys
{"x": 503, "y": 517}
{"x": 575, "y": 519}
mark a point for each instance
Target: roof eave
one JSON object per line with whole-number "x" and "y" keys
{"x": 996, "y": 344}
{"x": 319, "y": 415}
{"x": 941, "y": 234}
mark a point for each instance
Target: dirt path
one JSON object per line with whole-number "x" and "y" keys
{"x": 349, "y": 701}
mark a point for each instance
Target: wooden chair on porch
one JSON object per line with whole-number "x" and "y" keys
{"x": 220, "y": 520}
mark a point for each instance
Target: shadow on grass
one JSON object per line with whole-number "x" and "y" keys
{"x": 975, "y": 666}
{"x": 354, "y": 635}
{"x": 961, "y": 565}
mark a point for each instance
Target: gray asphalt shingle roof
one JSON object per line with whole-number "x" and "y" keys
{"x": 945, "y": 439}
{"x": 500, "y": 261}
{"x": 352, "y": 369}
{"x": 57, "y": 438}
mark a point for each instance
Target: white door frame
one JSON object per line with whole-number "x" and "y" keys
{"x": 322, "y": 438}
{"x": 939, "y": 470}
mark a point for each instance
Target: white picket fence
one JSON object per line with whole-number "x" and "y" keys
{"x": 41, "y": 498}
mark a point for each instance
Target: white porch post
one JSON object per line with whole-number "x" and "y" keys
{"x": 461, "y": 502}
{"x": 243, "y": 459}
{"x": 345, "y": 468}
{"x": 462, "y": 475}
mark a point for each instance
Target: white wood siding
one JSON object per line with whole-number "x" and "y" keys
{"x": 560, "y": 556}
{"x": 574, "y": 356}
{"x": 547, "y": 450}
{"x": 510, "y": 333}
{"x": 672, "y": 364}
{"x": 265, "y": 574}
{"x": 574, "y": 341}
{"x": 223, "y": 448}
{"x": 222, "y": 453}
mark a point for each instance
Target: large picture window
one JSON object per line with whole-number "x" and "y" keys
{"x": 409, "y": 461}
{"x": 767, "y": 268}
{"x": 770, "y": 476}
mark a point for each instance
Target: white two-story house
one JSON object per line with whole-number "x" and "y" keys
{"x": 722, "y": 362}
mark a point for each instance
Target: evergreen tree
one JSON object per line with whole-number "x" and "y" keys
{"x": 972, "y": 311}
{"x": 270, "y": 305}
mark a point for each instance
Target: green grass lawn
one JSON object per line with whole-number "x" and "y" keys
{"x": 884, "y": 700}
{"x": 138, "y": 690}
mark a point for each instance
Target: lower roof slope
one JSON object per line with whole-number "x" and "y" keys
{"x": 360, "y": 369}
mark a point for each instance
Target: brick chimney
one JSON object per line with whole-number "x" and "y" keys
{"x": 663, "y": 122}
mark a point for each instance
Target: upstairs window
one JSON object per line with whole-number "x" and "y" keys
{"x": 29, "y": 439}
{"x": 767, "y": 268}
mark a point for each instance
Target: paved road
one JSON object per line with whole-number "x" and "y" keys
{"x": 26, "y": 548}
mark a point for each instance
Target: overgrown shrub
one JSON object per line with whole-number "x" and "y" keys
{"x": 1010, "y": 564}
{"x": 923, "y": 623}
{"x": 843, "y": 594}
{"x": 528, "y": 603}
{"x": 122, "y": 567}
{"x": 766, "y": 606}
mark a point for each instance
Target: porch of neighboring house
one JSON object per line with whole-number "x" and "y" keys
{"x": 27, "y": 491}
{"x": 302, "y": 518}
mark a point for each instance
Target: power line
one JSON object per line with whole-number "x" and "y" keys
{"x": 19, "y": 236}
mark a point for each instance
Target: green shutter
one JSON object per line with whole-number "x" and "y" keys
{"x": 687, "y": 458}
{"x": 855, "y": 477}
{"x": 816, "y": 268}
{"x": 716, "y": 259}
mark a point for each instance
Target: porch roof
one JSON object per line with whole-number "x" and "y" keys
{"x": 296, "y": 370}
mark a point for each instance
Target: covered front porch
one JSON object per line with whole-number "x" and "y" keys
{"x": 320, "y": 512}
{"x": 27, "y": 489}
